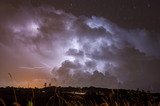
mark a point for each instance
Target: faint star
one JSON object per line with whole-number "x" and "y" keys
{"x": 71, "y": 4}
{"x": 148, "y": 5}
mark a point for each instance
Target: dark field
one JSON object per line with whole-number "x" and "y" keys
{"x": 70, "y": 96}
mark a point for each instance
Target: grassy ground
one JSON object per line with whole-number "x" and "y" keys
{"x": 70, "y": 96}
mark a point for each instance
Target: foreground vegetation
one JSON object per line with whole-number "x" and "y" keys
{"x": 70, "y": 96}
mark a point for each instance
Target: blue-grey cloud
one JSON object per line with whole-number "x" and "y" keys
{"x": 77, "y": 51}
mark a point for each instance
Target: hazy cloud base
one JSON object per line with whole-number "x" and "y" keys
{"x": 75, "y": 51}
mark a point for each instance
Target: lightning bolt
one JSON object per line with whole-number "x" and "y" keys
{"x": 45, "y": 66}
{"x": 31, "y": 68}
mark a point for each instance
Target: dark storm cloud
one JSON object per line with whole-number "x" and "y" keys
{"x": 75, "y": 52}
{"x": 82, "y": 51}
{"x": 90, "y": 64}
{"x": 146, "y": 42}
{"x": 73, "y": 74}
{"x": 124, "y": 54}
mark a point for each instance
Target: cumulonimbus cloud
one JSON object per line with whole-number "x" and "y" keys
{"x": 86, "y": 51}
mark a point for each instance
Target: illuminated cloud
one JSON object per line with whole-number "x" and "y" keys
{"x": 76, "y": 51}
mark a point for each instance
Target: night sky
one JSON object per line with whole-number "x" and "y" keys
{"x": 101, "y": 43}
